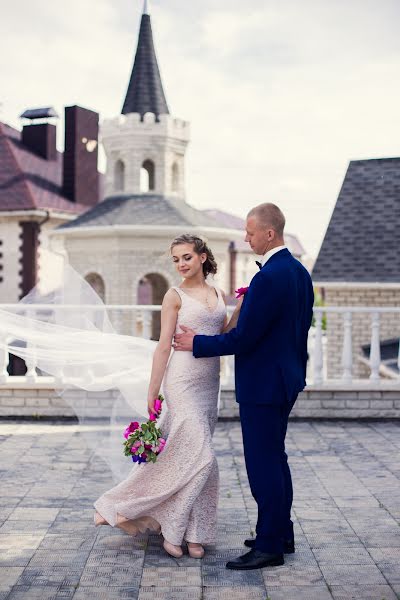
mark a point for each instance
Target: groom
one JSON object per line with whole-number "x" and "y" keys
{"x": 270, "y": 348}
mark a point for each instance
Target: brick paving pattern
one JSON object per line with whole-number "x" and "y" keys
{"x": 347, "y": 511}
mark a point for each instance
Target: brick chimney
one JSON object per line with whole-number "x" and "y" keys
{"x": 80, "y": 175}
{"x": 40, "y": 138}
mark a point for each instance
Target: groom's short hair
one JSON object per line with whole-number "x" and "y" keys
{"x": 269, "y": 215}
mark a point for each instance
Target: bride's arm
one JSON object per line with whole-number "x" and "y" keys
{"x": 231, "y": 324}
{"x": 169, "y": 314}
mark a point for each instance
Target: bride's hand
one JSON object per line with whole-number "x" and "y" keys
{"x": 150, "y": 406}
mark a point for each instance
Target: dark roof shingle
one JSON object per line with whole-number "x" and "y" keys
{"x": 362, "y": 241}
{"x": 27, "y": 181}
{"x": 142, "y": 209}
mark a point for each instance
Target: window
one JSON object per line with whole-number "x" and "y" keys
{"x": 119, "y": 176}
{"x": 147, "y": 176}
{"x": 175, "y": 177}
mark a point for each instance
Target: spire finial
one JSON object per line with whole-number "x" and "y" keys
{"x": 146, "y": 7}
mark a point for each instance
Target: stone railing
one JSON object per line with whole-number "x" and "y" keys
{"x": 351, "y": 349}
{"x": 377, "y": 395}
{"x": 138, "y": 320}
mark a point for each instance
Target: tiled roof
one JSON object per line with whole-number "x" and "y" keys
{"x": 27, "y": 181}
{"x": 362, "y": 241}
{"x": 145, "y": 91}
{"x": 142, "y": 209}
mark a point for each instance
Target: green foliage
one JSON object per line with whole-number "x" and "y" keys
{"x": 147, "y": 433}
{"x": 318, "y": 301}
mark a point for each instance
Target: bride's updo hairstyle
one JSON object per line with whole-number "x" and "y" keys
{"x": 200, "y": 247}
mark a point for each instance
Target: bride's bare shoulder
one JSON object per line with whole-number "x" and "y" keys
{"x": 221, "y": 291}
{"x": 172, "y": 298}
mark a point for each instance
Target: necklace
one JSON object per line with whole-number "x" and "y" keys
{"x": 207, "y": 297}
{"x": 204, "y": 299}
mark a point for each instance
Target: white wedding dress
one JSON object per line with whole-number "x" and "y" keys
{"x": 178, "y": 494}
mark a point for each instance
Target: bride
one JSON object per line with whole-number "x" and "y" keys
{"x": 177, "y": 496}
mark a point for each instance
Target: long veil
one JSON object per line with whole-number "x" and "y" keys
{"x": 71, "y": 338}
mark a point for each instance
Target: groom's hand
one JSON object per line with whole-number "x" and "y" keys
{"x": 184, "y": 341}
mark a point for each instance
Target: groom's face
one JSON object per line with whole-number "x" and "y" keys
{"x": 258, "y": 237}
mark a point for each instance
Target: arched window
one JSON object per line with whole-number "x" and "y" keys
{"x": 175, "y": 177}
{"x": 97, "y": 283}
{"x": 147, "y": 176}
{"x": 119, "y": 176}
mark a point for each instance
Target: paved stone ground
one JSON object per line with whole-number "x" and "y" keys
{"x": 347, "y": 511}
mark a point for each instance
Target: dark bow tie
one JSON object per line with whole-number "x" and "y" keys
{"x": 259, "y": 265}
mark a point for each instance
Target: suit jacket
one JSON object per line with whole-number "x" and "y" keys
{"x": 270, "y": 339}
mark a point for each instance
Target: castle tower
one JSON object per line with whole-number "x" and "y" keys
{"x": 145, "y": 146}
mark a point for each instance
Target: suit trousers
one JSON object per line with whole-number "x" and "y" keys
{"x": 264, "y": 430}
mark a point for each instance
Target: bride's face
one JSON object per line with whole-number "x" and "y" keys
{"x": 187, "y": 262}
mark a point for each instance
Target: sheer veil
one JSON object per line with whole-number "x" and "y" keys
{"x": 72, "y": 339}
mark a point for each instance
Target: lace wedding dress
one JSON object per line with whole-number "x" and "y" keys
{"x": 178, "y": 494}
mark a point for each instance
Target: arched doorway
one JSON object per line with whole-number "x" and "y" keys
{"x": 151, "y": 290}
{"x": 97, "y": 283}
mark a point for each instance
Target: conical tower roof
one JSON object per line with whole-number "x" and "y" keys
{"x": 145, "y": 91}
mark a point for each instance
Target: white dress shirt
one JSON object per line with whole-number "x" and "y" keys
{"x": 270, "y": 253}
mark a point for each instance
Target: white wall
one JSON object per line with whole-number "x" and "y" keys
{"x": 10, "y": 250}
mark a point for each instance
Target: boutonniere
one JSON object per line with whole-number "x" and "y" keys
{"x": 241, "y": 291}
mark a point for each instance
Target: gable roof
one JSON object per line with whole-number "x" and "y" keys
{"x": 142, "y": 209}
{"x": 362, "y": 241}
{"x": 145, "y": 91}
{"x": 29, "y": 182}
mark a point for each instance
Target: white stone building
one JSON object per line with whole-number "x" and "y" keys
{"x": 121, "y": 245}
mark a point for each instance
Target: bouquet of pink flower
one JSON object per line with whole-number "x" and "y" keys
{"x": 144, "y": 442}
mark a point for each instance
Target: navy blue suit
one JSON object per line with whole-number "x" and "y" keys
{"x": 270, "y": 348}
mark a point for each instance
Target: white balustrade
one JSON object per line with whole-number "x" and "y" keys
{"x": 375, "y": 351}
{"x": 147, "y": 324}
{"x": 347, "y": 353}
{"x": 31, "y": 362}
{"x": 318, "y": 349}
{"x": 4, "y": 361}
{"x": 142, "y": 315}
{"x": 398, "y": 359}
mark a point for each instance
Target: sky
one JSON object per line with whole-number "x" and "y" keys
{"x": 280, "y": 94}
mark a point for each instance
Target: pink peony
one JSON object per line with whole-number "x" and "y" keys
{"x": 131, "y": 428}
{"x": 147, "y": 446}
{"x": 241, "y": 291}
{"x": 152, "y": 417}
{"x": 157, "y": 404}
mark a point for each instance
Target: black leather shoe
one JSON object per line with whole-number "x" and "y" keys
{"x": 255, "y": 560}
{"x": 288, "y": 547}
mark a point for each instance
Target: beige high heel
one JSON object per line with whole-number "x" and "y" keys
{"x": 195, "y": 550}
{"x": 99, "y": 520}
{"x": 175, "y": 551}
